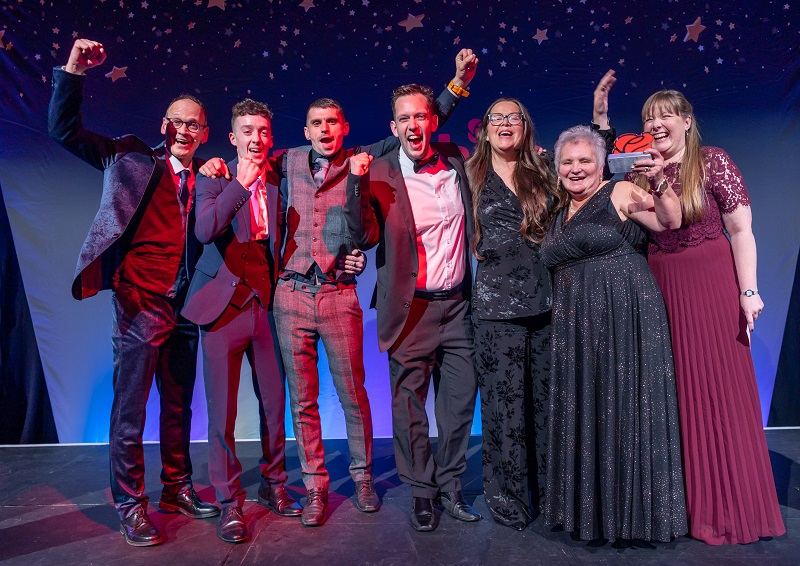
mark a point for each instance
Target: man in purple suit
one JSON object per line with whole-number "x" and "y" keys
{"x": 141, "y": 245}
{"x": 230, "y": 297}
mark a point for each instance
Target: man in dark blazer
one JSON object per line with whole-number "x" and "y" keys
{"x": 416, "y": 205}
{"x": 141, "y": 246}
{"x": 230, "y": 297}
{"x": 315, "y": 298}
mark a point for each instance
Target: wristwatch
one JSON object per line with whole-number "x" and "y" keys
{"x": 749, "y": 293}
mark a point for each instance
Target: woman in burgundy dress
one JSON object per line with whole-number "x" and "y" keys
{"x": 709, "y": 284}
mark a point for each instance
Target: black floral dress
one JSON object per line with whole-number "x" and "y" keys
{"x": 511, "y": 305}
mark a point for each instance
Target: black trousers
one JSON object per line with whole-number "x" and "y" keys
{"x": 436, "y": 342}
{"x": 512, "y": 360}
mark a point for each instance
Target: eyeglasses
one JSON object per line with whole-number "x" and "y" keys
{"x": 514, "y": 119}
{"x": 193, "y": 127}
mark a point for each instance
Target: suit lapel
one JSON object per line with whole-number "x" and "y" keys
{"x": 400, "y": 190}
{"x": 466, "y": 195}
{"x": 273, "y": 183}
{"x": 241, "y": 220}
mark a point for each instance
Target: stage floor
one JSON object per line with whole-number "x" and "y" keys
{"x": 54, "y": 509}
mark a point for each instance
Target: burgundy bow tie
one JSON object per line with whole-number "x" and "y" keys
{"x": 420, "y": 163}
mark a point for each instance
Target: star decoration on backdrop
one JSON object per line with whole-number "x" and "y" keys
{"x": 412, "y": 22}
{"x": 207, "y": 39}
{"x": 117, "y": 73}
{"x": 693, "y": 31}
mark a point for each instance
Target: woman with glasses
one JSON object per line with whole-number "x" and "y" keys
{"x": 514, "y": 193}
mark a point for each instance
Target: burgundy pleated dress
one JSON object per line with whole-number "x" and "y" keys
{"x": 730, "y": 490}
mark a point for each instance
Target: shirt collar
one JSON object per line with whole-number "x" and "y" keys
{"x": 177, "y": 166}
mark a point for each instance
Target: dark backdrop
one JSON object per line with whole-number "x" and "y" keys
{"x": 736, "y": 61}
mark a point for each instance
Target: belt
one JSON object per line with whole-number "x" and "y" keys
{"x": 439, "y": 295}
{"x": 315, "y": 279}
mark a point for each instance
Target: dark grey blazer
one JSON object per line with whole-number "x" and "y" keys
{"x": 378, "y": 211}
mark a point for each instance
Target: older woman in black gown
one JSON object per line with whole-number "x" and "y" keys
{"x": 613, "y": 462}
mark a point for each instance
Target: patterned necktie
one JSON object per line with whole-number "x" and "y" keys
{"x": 259, "y": 224}
{"x": 183, "y": 187}
{"x": 321, "y": 169}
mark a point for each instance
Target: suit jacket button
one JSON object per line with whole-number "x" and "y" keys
{"x": 407, "y": 305}
{"x": 244, "y": 256}
{"x": 115, "y": 235}
{"x": 414, "y": 274}
{"x": 233, "y": 283}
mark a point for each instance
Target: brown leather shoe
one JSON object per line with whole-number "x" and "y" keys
{"x": 232, "y": 527}
{"x": 139, "y": 530}
{"x": 314, "y": 512}
{"x": 366, "y": 499}
{"x": 189, "y": 504}
{"x": 279, "y": 501}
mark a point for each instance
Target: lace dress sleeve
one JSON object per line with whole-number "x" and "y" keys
{"x": 725, "y": 180}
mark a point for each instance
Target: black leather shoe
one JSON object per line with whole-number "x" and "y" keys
{"x": 456, "y": 507}
{"x": 279, "y": 501}
{"x": 422, "y": 514}
{"x": 188, "y": 503}
{"x": 232, "y": 527}
{"x": 366, "y": 499}
{"x": 139, "y": 530}
{"x": 314, "y": 512}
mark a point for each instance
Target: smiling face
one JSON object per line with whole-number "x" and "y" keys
{"x": 668, "y": 129}
{"x": 505, "y": 137}
{"x": 183, "y": 143}
{"x": 579, "y": 170}
{"x": 414, "y": 123}
{"x": 326, "y": 128}
{"x": 252, "y": 136}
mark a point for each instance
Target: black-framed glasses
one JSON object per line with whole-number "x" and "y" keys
{"x": 193, "y": 127}
{"x": 514, "y": 118}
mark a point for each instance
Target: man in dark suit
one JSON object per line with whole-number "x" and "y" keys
{"x": 230, "y": 297}
{"x": 315, "y": 299}
{"x": 416, "y": 205}
{"x": 141, "y": 246}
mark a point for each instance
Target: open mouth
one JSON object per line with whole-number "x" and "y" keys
{"x": 660, "y": 136}
{"x": 326, "y": 139}
{"x": 415, "y": 141}
{"x": 505, "y": 133}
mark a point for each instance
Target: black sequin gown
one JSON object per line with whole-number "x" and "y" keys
{"x": 613, "y": 459}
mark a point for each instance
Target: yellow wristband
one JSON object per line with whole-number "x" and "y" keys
{"x": 457, "y": 90}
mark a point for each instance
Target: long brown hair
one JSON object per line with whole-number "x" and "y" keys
{"x": 693, "y": 173}
{"x": 534, "y": 181}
